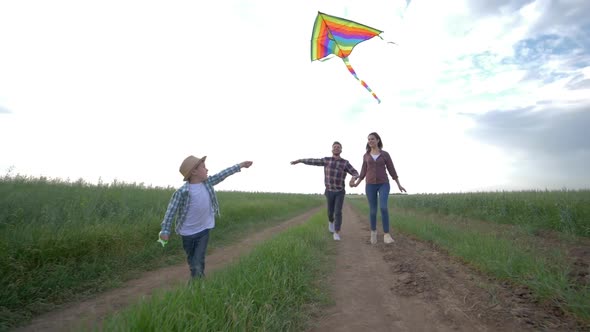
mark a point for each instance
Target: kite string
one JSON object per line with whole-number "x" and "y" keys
{"x": 351, "y": 70}
{"x": 388, "y": 41}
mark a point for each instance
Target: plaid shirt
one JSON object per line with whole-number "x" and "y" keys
{"x": 180, "y": 200}
{"x": 335, "y": 170}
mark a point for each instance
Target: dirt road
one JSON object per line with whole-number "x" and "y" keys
{"x": 411, "y": 286}
{"x": 404, "y": 286}
{"x": 90, "y": 313}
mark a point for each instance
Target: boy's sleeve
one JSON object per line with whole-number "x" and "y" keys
{"x": 171, "y": 212}
{"x": 215, "y": 179}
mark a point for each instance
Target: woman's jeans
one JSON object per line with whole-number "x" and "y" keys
{"x": 195, "y": 247}
{"x": 372, "y": 191}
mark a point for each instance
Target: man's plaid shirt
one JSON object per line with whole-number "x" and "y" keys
{"x": 180, "y": 200}
{"x": 335, "y": 170}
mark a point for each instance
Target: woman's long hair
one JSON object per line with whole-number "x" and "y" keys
{"x": 379, "y": 144}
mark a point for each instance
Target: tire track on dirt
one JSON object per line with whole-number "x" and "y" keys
{"x": 361, "y": 286}
{"x": 89, "y": 313}
{"x": 411, "y": 286}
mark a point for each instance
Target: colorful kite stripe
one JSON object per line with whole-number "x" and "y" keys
{"x": 338, "y": 36}
{"x": 351, "y": 70}
{"x": 335, "y": 35}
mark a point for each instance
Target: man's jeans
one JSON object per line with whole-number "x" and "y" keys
{"x": 335, "y": 200}
{"x": 195, "y": 247}
{"x": 382, "y": 190}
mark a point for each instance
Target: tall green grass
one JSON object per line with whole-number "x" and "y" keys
{"x": 60, "y": 240}
{"x": 509, "y": 256}
{"x": 275, "y": 288}
{"x": 566, "y": 211}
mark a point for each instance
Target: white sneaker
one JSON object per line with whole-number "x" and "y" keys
{"x": 336, "y": 237}
{"x": 331, "y": 227}
{"x": 387, "y": 238}
{"x": 373, "y": 237}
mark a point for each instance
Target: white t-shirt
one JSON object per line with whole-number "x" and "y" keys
{"x": 200, "y": 214}
{"x": 375, "y": 156}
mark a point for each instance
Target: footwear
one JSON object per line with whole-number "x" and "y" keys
{"x": 387, "y": 238}
{"x": 331, "y": 227}
{"x": 336, "y": 237}
{"x": 373, "y": 237}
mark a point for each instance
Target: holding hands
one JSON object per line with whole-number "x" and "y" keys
{"x": 354, "y": 182}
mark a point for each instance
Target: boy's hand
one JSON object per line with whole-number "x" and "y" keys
{"x": 163, "y": 239}
{"x": 245, "y": 164}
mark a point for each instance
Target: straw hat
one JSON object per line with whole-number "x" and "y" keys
{"x": 190, "y": 163}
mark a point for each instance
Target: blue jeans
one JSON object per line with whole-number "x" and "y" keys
{"x": 335, "y": 200}
{"x": 195, "y": 247}
{"x": 372, "y": 191}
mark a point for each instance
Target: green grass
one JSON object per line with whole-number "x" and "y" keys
{"x": 566, "y": 211}
{"x": 516, "y": 259}
{"x": 277, "y": 287}
{"x": 61, "y": 241}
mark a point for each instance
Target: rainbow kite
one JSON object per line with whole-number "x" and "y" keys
{"x": 338, "y": 36}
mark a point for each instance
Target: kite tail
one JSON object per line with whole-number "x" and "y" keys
{"x": 362, "y": 82}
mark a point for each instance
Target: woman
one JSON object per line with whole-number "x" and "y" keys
{"x": 376, "y": 164}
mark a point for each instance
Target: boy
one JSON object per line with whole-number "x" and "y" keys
{"x": 196, "y": 205}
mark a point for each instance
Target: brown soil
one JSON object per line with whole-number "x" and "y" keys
{"x": 405, "y": 286}
{"x": 575, "y": 249}
{"x": 412, "y": 286}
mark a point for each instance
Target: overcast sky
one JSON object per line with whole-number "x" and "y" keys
{"x": 476, "y": 95}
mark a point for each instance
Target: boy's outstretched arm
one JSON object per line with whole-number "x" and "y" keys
{"x": 217, "y": 178}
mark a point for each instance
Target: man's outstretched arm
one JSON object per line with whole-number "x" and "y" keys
{"x": 310, "y": 161}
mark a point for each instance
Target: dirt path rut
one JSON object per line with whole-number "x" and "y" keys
{"x": 91, "y": 312}
{"x": 411, "y": 286}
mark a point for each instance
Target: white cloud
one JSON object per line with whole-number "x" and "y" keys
{"x": 127, "y": 89}
{"x": 4, "y": 109}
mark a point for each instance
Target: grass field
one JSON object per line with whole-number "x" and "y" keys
{"x": 60, "y": 241}
{"x": 565, "y": 211}
{"x": 277, "y": 287}
{"x": 524, "y": 238}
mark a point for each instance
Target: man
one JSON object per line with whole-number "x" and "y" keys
{"x": 335, "y": 169}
